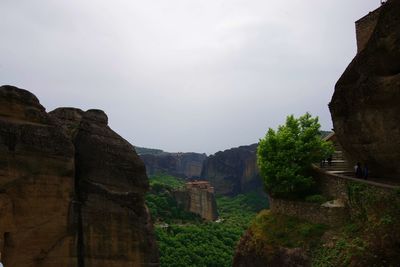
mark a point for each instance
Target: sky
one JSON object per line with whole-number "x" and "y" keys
{"x": 182, "y": 75}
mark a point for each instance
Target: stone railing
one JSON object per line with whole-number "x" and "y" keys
{"x": 335, "y": 185}
{"x": 334, "y": 214}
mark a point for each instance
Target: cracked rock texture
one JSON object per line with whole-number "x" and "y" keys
{"x": 71, "y": 189}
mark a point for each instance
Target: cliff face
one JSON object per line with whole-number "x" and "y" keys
{"x": 233, "y": 171}
{"x": 72, "y": 189}
{"x": 365, "y": 106}
{"x": 36, "y": 181}
{"x": 198, "y": 198}
{"x": 186, "y": 165}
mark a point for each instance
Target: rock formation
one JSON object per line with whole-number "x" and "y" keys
{"x": 233, "y": 171}
{"x": 185, "y": 165}
{"x": 198, "y": 197}
{"x": 365, "y": 106}
{"x": 248, "y": 254}
{"x": 71, "y": 189}
{"x": 36, "y": 182}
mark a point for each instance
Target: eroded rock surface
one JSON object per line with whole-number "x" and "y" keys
{"x": 71, "y": 189}
{"x": 365, "y": 106}
{"x": 250, "y": 253}
{"x": 36, "y": 184}
{"x": 185, "y": 165}
{"x": 233, "y": 171}
{"x": 198, "y": 197}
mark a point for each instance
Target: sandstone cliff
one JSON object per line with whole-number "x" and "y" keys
{"x": 233, "y": 171}
{"x": 71, "y": 189}
{"x": 185, "y": 165}
{"x": 365, "y": 106}
{"x": 198, "y": 197}
{"x": 36, "y": 182}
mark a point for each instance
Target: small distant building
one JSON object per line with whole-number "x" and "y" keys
{"x": 202, "y": 185}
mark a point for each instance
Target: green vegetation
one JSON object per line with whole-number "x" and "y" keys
{"x": 346, "y": 249}
{"x": 166, "y": 181}
{"x": 189, "y": 241}
{"x": 161, "y": 203}
{"x": 241, "y": 209}
{"x": 201, "y": 244}
{"x": 285, "y": 156}
{"x": 282, "y": 230}
{"x": 270, "y": 232}
{"x": 371, "y": 236}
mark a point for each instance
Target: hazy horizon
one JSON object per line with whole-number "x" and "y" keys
{"x": 181, "y": 75}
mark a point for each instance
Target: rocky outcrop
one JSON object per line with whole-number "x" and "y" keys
{"x": 233, "y": 171}
{"x": 185, "y": 165}
{"x": 267, "y": 243}
{"x": 36, "y": 184}
{"x": 248, "y": 255}
{"x": 71, "y": 189}
{"x": 198, "y": 197}
{"x": 365, "y": 106}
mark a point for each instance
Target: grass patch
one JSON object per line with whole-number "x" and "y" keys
{"x": 286, "y": 231}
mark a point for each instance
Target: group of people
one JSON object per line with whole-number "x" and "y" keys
{"x": 361, "y": 171}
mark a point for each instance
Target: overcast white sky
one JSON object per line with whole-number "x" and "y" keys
{"x": 182, "y": 75}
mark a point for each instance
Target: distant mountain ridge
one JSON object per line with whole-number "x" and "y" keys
{"x": 231, "y": 172}
{"x": 185, "y": 165}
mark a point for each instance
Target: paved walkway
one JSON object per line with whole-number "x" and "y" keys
{"x": 341, "y": 168}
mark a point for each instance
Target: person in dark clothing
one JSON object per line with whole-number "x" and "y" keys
{"x": 365, "y": 172}
{"x": 329, "y": 160}
{"x": 359, "y": 173}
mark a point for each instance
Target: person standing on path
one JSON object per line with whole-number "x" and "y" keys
{"x": 365, "y": 172}
{"x": 359, "y": 170}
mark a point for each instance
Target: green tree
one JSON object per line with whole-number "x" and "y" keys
{"x": 285, "y": 156}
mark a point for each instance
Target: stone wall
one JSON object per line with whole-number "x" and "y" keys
{"x": 336, "y": 186}
{"x": 335, "y": 215}
{"x": 365, "y": 27}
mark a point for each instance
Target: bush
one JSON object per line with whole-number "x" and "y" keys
{"x": 285, "y": 156}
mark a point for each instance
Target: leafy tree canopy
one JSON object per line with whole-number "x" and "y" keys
{"x": 285, "y": 156}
